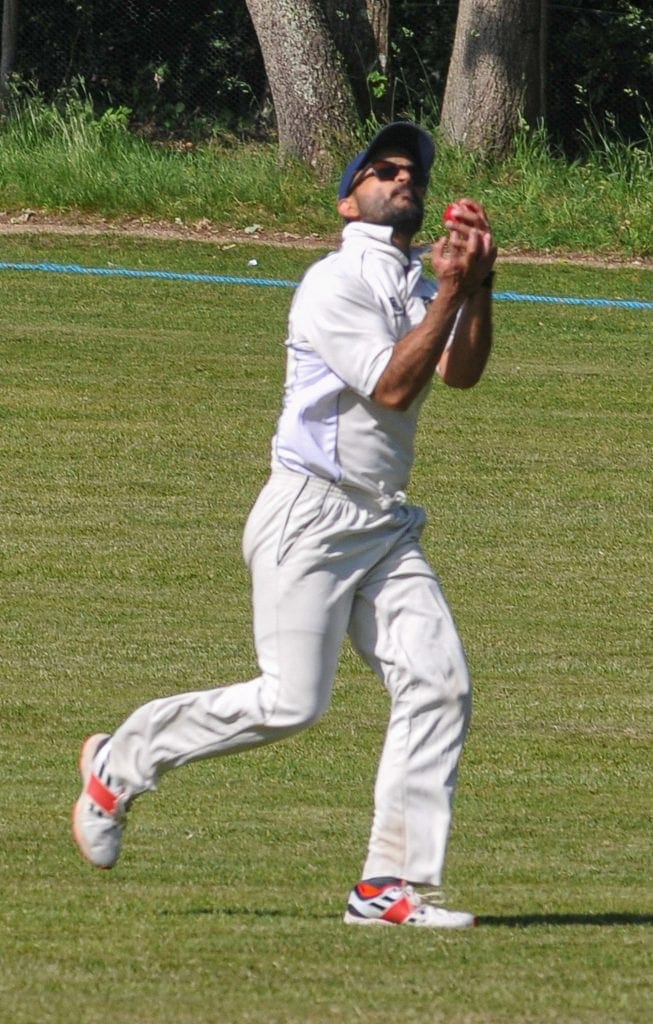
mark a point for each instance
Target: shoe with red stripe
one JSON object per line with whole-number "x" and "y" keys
{"x": 99, "y": 814}
{"x": 399, "y": 903}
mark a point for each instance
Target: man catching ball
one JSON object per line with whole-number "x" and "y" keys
{"x": 333, "y": 544}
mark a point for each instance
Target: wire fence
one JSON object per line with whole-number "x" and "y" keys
{"x": 196, "y": 66}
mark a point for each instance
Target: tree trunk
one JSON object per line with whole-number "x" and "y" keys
{"x": 542, "y": 58}
{"x": 360, "y": 32}
{"x": 378, "y": 13}
{"x": 314, "y": 104}
{"x": 8, "y": 46}
{"x": 494, "y": 78}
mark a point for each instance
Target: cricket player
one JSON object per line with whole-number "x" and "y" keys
{"x": 333, "y": 543}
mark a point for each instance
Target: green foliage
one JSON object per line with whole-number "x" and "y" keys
{"x": 421, "y": 45}
{"x": 542, "y": 202}
{"x": 600, "y": 69}
{"x": 173, "y": 64}
{"x": 64, "y": 157}
{"x": 136, "y": 418}
{"x": 378, "y": 84}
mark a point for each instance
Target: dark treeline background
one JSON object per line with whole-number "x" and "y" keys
{"x": 194, "y": 67}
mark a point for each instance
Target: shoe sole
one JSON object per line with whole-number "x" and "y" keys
{"x": 88, "y": 752}
{"x": 354, "y": 919}
{"x": 350, "y": 918}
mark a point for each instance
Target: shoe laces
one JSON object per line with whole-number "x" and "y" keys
{"x": 430, "y": 897}
{"x": 434, "y": 896}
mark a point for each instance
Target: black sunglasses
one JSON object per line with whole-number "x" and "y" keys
{"x": 386, "y": 170}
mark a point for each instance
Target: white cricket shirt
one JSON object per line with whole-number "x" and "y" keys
{"x": 346, "y": 316}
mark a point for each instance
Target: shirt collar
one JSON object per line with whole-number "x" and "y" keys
{"x": 357, "y": 232}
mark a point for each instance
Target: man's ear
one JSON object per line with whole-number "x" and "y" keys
{"x": 348, "y": 208}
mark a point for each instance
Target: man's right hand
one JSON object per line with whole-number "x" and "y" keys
{"x": 464, "y": 258}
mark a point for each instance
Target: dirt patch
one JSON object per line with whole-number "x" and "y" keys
{"x": 37, "y": 222}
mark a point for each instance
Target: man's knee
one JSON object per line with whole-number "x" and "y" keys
{"x": 292, "y": 707}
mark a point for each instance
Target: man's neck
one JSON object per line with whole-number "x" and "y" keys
{"x": 402, "y": 241}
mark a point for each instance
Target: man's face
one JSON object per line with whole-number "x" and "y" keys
{"x": 389, "y": 191}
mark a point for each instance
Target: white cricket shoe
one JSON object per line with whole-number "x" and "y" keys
{"x": 399, "y": 903}
{"x": 99, "y": 814}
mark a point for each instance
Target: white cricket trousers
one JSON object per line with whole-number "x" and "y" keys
{"x": 326, "y": 561}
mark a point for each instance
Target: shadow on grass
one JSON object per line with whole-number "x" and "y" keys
{"x": 607, "y": 920}
{"x": 545, "y": 920}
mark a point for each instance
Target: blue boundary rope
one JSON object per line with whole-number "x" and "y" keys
{"x": 270, "y": 282}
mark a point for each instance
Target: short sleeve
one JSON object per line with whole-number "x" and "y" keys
{"x": 341, "y": 318}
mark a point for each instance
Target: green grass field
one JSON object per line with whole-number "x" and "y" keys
{"x": 135, "y": 419}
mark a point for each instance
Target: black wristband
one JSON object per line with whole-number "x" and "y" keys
{"x": 488, "y": 280}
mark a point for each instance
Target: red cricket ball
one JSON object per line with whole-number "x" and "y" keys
{"x": 450, "y": 215}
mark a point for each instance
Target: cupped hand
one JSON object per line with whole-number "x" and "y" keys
{"x": 466, "y": 256}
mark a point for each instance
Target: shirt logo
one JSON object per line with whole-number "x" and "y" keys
{"x": 397, "y": 307}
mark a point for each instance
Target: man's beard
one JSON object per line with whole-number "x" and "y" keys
{"x": 404, "y": 217}
{"x": 408, "y": 220}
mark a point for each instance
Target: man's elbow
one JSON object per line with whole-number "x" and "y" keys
{"x": 394, "y": 401}
{"x": 396, "y": 397}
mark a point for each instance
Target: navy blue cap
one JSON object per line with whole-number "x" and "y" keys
{"x": 405, "y": 136}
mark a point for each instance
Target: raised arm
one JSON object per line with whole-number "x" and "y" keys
{"x": 461, "y": 263}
